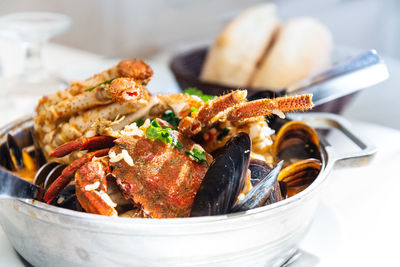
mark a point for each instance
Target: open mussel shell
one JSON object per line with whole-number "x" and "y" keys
{"x": 46, "y": 175}
{"x": 259, "y": 194}
{"x": 53, "y": 175}
{"x": 15, "y": 153}
{"x": 296, "y": 140}
{"x": 224, "y": 179}
{"x": 20, "y": 154}
{"x": 40, "y": 159}
{"x": 43, "y": 172}
{"x": 258, "y": 169}
{"x": 297, "y": 176}
{"x": 276, "y": 194}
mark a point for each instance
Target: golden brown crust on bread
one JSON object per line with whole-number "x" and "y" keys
{"x": 302, "y": 48}
{"x": 233, "y": 57}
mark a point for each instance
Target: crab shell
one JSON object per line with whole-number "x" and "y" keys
{"x": 164, "y": 181}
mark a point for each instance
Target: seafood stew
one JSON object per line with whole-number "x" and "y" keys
{"x": 107, "y": 146}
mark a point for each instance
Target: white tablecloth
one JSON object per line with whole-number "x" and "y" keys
{"x": 358, "y": 220}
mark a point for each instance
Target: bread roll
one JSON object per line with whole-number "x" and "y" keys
{"x": 233, "y": 57}
{"x": 302, "y": 48}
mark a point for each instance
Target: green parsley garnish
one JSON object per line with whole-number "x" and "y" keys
{"x": 223, "y": 134}
{"x": 169, "y": 116}
{"x": 197, "y": 92}
{"x": 193, "y": 110}
{"x": 179, "y": 145}
{"x": 140, "y": 122}
{"x": 197, "y": 155}
{"x": 156, "y": 132}
{"x": 103, "y": 83}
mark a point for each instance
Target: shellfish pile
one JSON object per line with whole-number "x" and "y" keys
{"x": 107, "y": 146}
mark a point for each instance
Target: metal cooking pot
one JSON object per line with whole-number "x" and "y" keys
{"x": 46, "y": 235}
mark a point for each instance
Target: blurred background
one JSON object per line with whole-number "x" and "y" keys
{"x": 157, "y": 29}
{"x": 126, "y": 28}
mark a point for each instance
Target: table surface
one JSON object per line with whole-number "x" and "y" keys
{"x": 357, "y": 220}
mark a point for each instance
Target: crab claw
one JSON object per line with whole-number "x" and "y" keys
{"x": 91, "y": 187}
{"x": 68, "y": 174}
{"x": 89, "y": 143}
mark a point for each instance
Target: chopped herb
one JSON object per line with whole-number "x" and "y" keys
{"x": 169, "y": 116}
{"x": 156, "y": 132}
{"x": 193, "y": 110}
{"x": 140, "y": 122}
{"x": 223, "y": 134}
{"x": 179, "y": 145}
{"x": 103, "y": 83}
{"x": 197, "y": 92}
{"x": 197, "y": 155}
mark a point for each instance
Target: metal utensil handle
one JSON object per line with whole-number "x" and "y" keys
{"x": 330, "y": 121}
{"x": 360, "y": 72}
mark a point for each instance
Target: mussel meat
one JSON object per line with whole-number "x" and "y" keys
{"x": 297, "y": 176}
{"x": 20, "y": 155}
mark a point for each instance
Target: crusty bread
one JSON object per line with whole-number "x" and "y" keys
{"x": 233, "y": 57}
{"x": 302, "y": 47}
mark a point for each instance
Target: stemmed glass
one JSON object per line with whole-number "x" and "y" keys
{"x": 33, "y": 30}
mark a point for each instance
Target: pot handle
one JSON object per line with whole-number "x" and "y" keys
{"x": 331, "y": 121}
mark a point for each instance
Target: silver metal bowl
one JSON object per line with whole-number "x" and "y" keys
{"x": 46, "y": 235}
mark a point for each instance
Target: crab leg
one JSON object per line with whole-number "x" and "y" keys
{"x": 120, "y": 89}
{"x": 132, "y": 68}
{"x": 264, "y": 107}
{"x": 78, "y": 125}
{"x": 91, "y": 187}
{"x": 212, "y": 108}
{"x": 191, "y": 126}
{"x": 90, "y": 143}
{"x": 68, "y": 174}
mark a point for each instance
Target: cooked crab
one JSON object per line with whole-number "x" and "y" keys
{"x": 158, "y": 177}
{"x": 158, "y": 168}
{"x": 73, "y": 112}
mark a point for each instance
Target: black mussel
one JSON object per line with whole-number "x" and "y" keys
{"x": 5, "y": 159}
{"x": 259, "y": 169}
{"x": 276, "y": 194}
{"x": 67, "y": 199}
{"x": 265, "y": 94}
{"x": 225, "y": 178}
{"x": 40, "y": 159}
{"x": 15, "y": 153}
{"x": 284, "y": 189}
{"x": 296, "y": 140}
{"x": 53, "y": 175}
{"x": 297, "y": 176}
{"x": 259, "y": 194}
{"x": 19, "y": 154}
{"x": 43, "y": 172}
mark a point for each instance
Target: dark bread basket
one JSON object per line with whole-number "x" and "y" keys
{"x": 187, "y": 67}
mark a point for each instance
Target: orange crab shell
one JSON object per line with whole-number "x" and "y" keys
{"x": 164, "y": 180}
